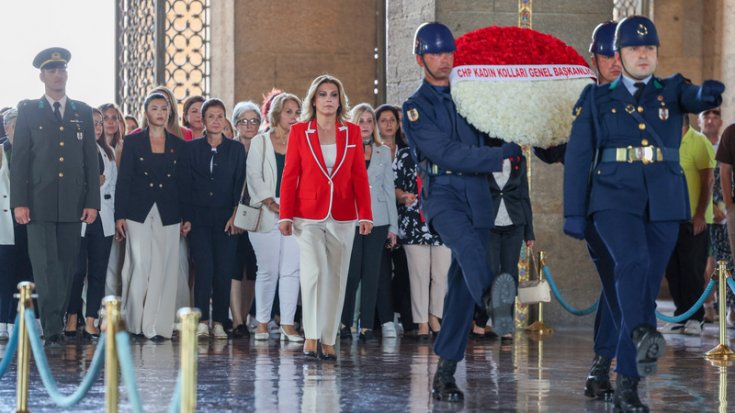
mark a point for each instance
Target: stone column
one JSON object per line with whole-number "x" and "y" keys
{"x": 222, "y": 46}
{"x": 728, "y": 60}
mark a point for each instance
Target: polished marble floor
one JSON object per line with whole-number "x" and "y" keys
{"x": 394, "y": 375}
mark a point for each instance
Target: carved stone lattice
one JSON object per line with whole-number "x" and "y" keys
{"x": 161, "y": 42}
{"x": 625, "y": 8}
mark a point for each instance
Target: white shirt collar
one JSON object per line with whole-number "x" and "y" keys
{"x": 62, "y": 101}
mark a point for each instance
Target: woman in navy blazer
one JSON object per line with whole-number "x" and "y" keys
{"x": 214, "y": 177}
{"x": 148, "y": 212}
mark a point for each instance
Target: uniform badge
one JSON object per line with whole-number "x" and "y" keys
{"x": 577, "y": 111}
{"x": 80, "y": 136}
{"x": 642, "y": 30}
{"x": 663, "y": 113}
{"x": 413, "y": 115}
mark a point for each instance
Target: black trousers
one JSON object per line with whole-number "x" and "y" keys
{"x": 94, "y": 253}
{"x": 504, "y": 249}
{"x": 685, "y": 271}
{"x": 54, "y": 251}
{"x": 15, "y": 266}
{"x": 213, "y": 252}
{"x": 400, "y": 285}
{"x": 365, "y": 267}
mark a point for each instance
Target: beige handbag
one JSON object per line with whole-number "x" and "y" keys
{"x": 247, "y": 217}
{"x": 536, "y": 291}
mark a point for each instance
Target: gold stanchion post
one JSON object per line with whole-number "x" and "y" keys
{"x": 25, "y": 300}
{"x": 113, "y": 319}
{"x": 538, "y": 326}
{"x": 189, "y": 318}
{"x": 722, "y": 351}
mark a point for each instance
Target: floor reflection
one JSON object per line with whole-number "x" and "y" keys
{"x": 527, "y": 374}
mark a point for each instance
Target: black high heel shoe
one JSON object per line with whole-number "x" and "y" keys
{"x": 70, "y": 334}
{"x": 90, "y": 336}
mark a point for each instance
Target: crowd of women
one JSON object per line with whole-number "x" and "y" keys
{"x": 340, "y": 250}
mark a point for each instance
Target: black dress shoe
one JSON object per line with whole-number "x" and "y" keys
{"x": 649, "y": 347}
{"x": 345, "y": 333}
{"x": 367, "y": 335}
{"x": 444, "y": 388}
{"x": 598, "y": 380}
{"x": 90, "y": 336}
{"x": 423, "y": 338}
{"x": 54, "y": 341}
{"x": 241, "y": 331}
{"x": 626, "y": 396}
{"x": 327, "y": 357}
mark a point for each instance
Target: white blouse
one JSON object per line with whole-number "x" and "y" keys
{"x": 330, "y": 156}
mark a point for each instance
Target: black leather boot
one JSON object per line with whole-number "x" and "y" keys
{"x": 649, "y": 347}
{"x": 499, "y": 302}
{"x": 598, "y": 379}
{"x": 626, "y": 396}
{"x": 444, "y": 387}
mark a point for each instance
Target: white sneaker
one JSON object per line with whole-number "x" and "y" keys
{"x": 4, "y": 335}
{"x": 672, "y": 328}
{"x": 693, "y": 328}
{"x": 730, "y": 320}
{"x": 219, "y": 332}
{"x": 202, "y": 330}
{"x": 389, "y": 330}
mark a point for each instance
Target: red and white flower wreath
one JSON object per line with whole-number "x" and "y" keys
{"x": 519, "y": 85}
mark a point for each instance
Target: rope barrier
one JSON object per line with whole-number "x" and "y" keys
{"x": 128, "y": 371}
{"x": 685, "y": 316}
{"x": 45, "y": 372}
{"x": 175, "y": 405}
{"x": 730, "y": 283}
{"x": 589, "y": 310}
{"x": 11, "y": 348}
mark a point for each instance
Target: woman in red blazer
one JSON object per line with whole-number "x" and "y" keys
{"x": 324, "y": 189}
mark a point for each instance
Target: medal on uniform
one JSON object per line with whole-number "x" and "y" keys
{"x": 663, "y": 113}
{"x": 80, "y": 136}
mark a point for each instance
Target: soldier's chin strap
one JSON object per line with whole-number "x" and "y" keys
{"x": 426, "y": 67}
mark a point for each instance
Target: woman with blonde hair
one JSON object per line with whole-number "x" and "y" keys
{"x": 276, "y": 253}
{"x": 324, "y": 191}
{"x": 367, "y": 250}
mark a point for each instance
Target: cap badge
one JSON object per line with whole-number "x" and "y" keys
{"x": 642, "y": 30}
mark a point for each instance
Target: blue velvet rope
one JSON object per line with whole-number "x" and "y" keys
{"x": 45, "y": 372}
{"x": 685, "y": 316}
{"x": 124, "y": 357}
{"x": 589, "y": 310}
{"x": 11, "y": 348}
{"x": 731, "y": 284}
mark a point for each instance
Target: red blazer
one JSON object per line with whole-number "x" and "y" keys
{"x": 308, "y": 191}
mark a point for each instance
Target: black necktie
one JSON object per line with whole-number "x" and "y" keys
{"x": 57, "y": 111}
{"x": 638, "y": 90}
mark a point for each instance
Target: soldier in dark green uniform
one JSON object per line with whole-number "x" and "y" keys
{"x": 54, "y": 185}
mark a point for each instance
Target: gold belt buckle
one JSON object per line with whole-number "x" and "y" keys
{"x": 631, "y": 154}
{"x": 647, "y": 153}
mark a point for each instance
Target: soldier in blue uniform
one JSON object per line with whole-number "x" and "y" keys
{"x": 606, "y": 330}
{"x": 454, "y": 161}
{"x": 622, "y": 171}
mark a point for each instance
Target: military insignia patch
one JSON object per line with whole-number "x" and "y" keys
{"x": 577, "y": 111}
{"x": 413, "y": 115}
{"x": 663, "y": 113}
{"x": 642, "y": 30}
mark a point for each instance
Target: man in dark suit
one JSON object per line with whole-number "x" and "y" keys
{"x": 54, "y": 185}
{"x": 622, "y": 171}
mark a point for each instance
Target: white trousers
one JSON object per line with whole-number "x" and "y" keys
{"x": 114, "y": 268}
{"x": 278, "y": 265}
{"x": 428, "y": 266}
{"x": 150, "y": 276}
{"x": 325, "y": 260}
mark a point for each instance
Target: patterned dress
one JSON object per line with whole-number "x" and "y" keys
{"x": 411, "y": 228}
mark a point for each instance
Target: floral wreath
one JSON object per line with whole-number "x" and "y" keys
{"x": 517, "y": 84}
